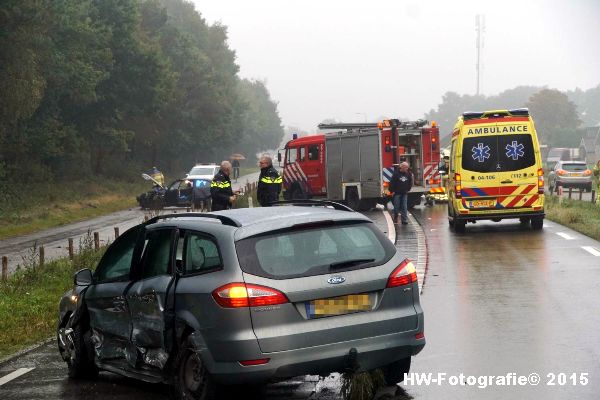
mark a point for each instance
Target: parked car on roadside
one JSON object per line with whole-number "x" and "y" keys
{"x": 203, "y": 171}
{"x": 244, "y": 296}
{"x": 570, "y": 174}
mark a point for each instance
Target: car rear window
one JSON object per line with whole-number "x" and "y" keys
{"x": 314, "y": 251}
{"x": 497, "y": 153}
{"x": 574, "y": 167}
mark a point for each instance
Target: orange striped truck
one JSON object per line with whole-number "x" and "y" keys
{"x": 353, "y": 162}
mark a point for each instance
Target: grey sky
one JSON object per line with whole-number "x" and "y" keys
{"x": 345, "y": 59}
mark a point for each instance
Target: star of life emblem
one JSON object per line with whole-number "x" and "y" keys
{"x": 480, "y": 152}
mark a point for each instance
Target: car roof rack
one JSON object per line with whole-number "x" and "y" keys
{"x": 225, "y": 220}
{"x": 312, "y": 203}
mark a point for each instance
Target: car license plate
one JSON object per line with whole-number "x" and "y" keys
{"x": 338, "y": 305}
{"x": 576, "y": 174}
{"x": 482, "y": 203}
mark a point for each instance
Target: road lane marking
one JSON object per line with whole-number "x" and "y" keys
{"x": 565, "y": 235}
{"x": 391, "y": 228}
{"x": 591, "y": 250}
{"x": 14, "y": 375}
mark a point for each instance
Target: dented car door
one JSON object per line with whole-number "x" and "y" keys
{"x": 150, "y": 300}
{"x": 105, "y": 298}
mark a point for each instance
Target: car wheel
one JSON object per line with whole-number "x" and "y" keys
{"x": 394, "y": 372}
{"x": 298, "y": 194}
{"x": 588, "y": 188}
{"x": 75, "y": 347}
{"x": 192, "y": 380}
{"x": 450, "y": 216}
{"x": 460, "y": 226}
{"x": 524, "y": 220}
{"x": 537, "y": 223}
{"x": 366, "y": 205}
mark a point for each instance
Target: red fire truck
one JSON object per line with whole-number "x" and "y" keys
{"x": 353, "y": 162}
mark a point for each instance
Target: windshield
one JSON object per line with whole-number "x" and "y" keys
{"x": 202, "y": 171}
{"x": 497, "y": 153}
{"x": 316, "y": 251}
{"x": 574, "y": 167}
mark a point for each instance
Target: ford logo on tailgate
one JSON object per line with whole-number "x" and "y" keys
{"x": 334, "y": 280}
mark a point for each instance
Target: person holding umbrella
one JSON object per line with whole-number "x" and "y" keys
{"x": 235, "y": 164}
{"x": 236, "y": 168}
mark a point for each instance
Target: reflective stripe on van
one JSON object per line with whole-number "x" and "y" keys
{"x": 506, "y": 196}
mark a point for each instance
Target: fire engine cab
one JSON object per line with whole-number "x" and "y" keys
{"x": 353, "y": 162}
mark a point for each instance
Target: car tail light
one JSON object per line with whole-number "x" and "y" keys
{"x": 540, "y": 181}
{"x": 404, "y": 274}
{"x": 420, "y": 336}
{"x": 561, "y": 172}
{"x": 236, "y": 295}
{"x": 457, "y": 186}
{"x": 587, "y": 172}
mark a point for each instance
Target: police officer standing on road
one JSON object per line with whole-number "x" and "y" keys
{"x": 220, "y": 189}
{"x": 400, "y": 184}
{"x": 269, "y": 182}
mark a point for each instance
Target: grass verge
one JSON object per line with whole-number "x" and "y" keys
{"x": 48, "y": 206}
{"x": 29, "y": 299}
{"x": 581, "y": 216}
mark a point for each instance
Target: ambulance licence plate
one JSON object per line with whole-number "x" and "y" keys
{"x": 338, "y": 305}
{"x": 482, "y": 203}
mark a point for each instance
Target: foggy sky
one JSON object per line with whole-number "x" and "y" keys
{"x": 348, "y": 59}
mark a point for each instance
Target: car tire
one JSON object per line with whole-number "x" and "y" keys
{"x": 537, "y": 223}
{"x": 78, "y": 352}
{"x": 524, "y": 220}
{"x": 366, "y": 205}
{"x": 588, "y": 188}
{"x": 298, "y": 194}
{"x": 460, "y": 226}
{"x": 191, "y": 379}
{"x": 394, "y": 372}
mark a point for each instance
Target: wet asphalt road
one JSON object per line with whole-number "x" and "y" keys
{"x": 499, "y": 299}
{"x": 502, "y": 298}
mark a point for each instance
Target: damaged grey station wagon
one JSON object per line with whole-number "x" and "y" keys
{"x": 244, "y": 296}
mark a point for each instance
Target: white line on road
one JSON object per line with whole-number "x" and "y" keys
{"x": 565, "y": 235}
{"x": 591, "y": 250}
{"x": 391, "y": 228}
{"x": 14, "y": 375}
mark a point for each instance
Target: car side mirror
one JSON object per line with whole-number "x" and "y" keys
{"x": 279, "y": 157}
{"x": 83, "y": 277}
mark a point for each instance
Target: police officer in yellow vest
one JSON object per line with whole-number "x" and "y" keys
{"x": 269, "y": 182}
{"x": 220, "y": 189}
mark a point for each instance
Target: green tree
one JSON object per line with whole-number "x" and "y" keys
{"x": 588, "y": 105}
{"x": 555, "y": 117}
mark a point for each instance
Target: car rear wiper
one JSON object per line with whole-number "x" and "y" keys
{"x": 349, "y": 263}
